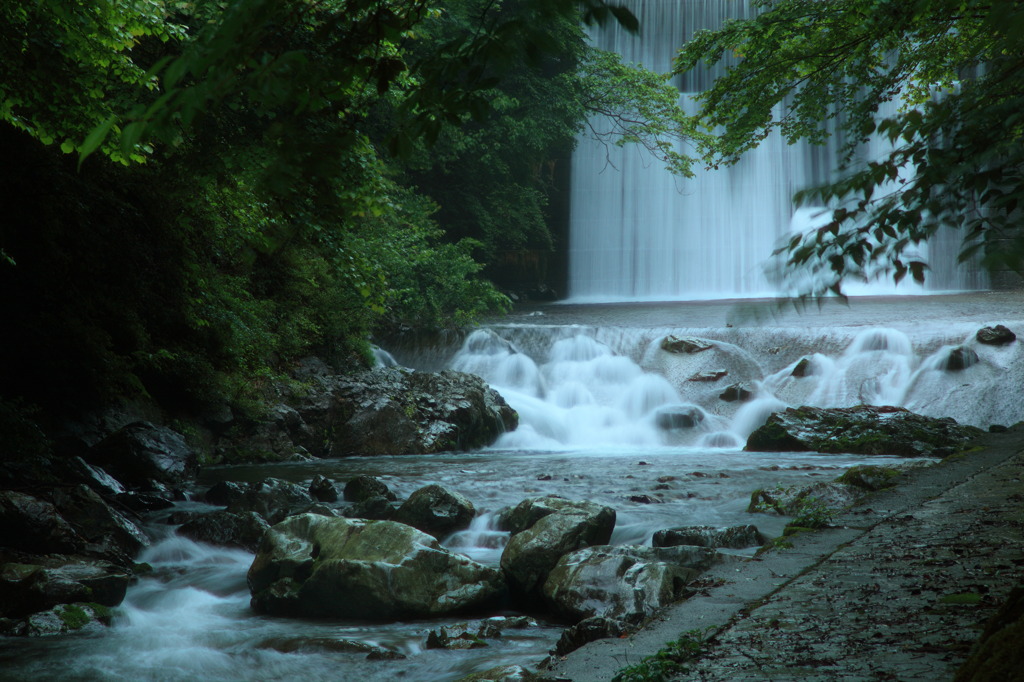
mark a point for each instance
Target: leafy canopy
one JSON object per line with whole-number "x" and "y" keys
{"x": 953, "y": 70}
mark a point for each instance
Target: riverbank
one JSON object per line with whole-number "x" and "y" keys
{"x": 899, "y": 588}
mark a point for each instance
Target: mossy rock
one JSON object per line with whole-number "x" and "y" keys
{"x": 999, "y": 653}
{"x": 870, "y": 477}
{"x": 863, "y": 430}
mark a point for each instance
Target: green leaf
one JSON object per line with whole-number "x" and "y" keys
{"x": 95, "y": 139}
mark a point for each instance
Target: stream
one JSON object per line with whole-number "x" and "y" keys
{"x": 592, "y": 399}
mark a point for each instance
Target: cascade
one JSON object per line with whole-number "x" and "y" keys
{"x": 639, "y": 233}
{"x": 608, "y": 388}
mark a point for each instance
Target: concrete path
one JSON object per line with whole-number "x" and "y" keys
{"x": 898, "y": 590}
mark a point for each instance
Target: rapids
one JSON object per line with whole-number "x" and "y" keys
{"x": 589, "y": 383}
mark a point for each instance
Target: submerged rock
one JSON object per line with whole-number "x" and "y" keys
{"x": 302, "y": 645}
{"x": 742, "y": 392}
{"x": 473, "y": 634}
{"x": 736, "y": 537}
{"x": 803, "y": 368}
{"x": 384, "y": 411}
{"x": 312, "y": 566}
{"x": 673, "y": 417}
{"x": 864, "y": 430}
{"x": 224, "y": 493}
{"x": 960, "y": 358}
{"x": 709, "y": 376}
{"x": 871, "y": 477}
{"x": 503, "y": 673}
{"x": 436, "y": 510}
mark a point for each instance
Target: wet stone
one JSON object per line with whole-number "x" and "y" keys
{"x": 364, "y": 487}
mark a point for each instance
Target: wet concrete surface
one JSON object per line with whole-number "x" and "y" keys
{"x": 898, "y": 589}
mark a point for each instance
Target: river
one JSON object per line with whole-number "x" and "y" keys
{"x": 589, "y": 383}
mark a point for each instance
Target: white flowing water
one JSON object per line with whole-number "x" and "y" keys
{"x": 589, "y": 399}
{"x": 637, "y": 232}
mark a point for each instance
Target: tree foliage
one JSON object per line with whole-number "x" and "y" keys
{"x": 198, "y": 193}
{"x": 950, "y": 68}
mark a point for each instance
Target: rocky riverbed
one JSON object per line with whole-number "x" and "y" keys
{"x": 902, "y": 586}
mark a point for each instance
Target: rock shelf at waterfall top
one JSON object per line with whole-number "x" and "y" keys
{"x": 900, "y": 587}
{"x": 969, "y": 307}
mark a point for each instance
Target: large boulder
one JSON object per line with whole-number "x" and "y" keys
{"x": 436, "y": 510}
{"x": 142, "y": 455}
{"x": 364, "y": 487}
{"x": 387, "y": 410}
{"x": 272, "y": 498}
{"x": 310, "y": 566}
{"x": 27, "y": 588}
{"x": 863, "y": 430}
{"x": 76, "y": 521}
{"x": 31, "y": 524}
{"x": 105, "y": 532}
{"x": 531, "y": 510}
{"x": 227, "y": 529}
{"x": 531, "y": 554}
{"x": 626, "y": 583}
{"x": 391, "y": 410}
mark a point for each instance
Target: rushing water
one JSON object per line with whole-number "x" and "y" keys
{"x": 638, "y": 232}
{"x": 589, "y": 397}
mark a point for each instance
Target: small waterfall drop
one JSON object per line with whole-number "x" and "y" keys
{"x": 635, "y": 391}
{"x": 639, "y": 233}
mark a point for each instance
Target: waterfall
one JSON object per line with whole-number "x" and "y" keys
{"x": 637, "y": 232}
{"x": 591, "y": 389}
